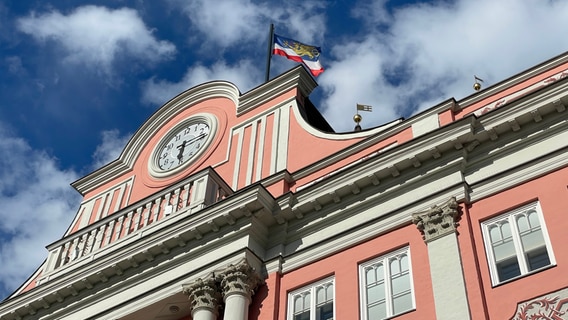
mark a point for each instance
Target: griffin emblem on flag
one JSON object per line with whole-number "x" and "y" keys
{"x": 303, "y": 50}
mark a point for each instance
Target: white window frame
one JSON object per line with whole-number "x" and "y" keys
{"x": 312, "y": 289}
{"x": 385, "y": 259}
{"x": 510, "y": 217}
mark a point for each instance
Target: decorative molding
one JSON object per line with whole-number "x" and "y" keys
{"x": 553, "y": 306}
{"x": 204, "y": 294}
{"x": 208, "y": 293}
{"x": 438, "y": 221}
{"x": 239, "y": 279}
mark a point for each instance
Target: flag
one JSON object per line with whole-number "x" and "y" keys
{"x": 364, "y": 107}
{"x": 299, "y": 52}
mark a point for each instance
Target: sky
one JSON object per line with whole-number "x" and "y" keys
{"x": 78, "y": 78}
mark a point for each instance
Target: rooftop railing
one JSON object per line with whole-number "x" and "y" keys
{"x": 186, "y": 197}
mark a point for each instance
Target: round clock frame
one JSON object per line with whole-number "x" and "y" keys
{"x": 182, "y": 145}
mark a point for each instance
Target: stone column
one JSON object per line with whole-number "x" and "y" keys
{"x": 438, "y": 226}
{"x": 238, "y": 283}
{"x": 204, "y": 297}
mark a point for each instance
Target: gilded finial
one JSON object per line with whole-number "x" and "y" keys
{"x": 477, "y": 85}
{"x": 357, "y": 117}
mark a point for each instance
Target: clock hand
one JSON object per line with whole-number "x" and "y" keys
{"x": 181, "y": 148}
{"x": 190, "y": 141}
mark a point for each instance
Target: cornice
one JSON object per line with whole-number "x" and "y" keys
{"x": 451, "y": 153}
{"x": 512, "y": 81}
{"x": 233, "y": 213}
{"x": 392, "y": 129}
{"x": 295, "y": 78}
{"x": 465, "y": 134}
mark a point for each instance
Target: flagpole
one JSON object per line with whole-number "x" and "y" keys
{"x": 270, "y": 45}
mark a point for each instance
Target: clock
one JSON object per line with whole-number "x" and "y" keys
{"x": 183, "y": 144}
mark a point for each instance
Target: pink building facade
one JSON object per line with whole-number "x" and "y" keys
{"x": 249, "y": 206}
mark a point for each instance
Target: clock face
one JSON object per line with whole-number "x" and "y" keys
{"x": 183, "y": 144}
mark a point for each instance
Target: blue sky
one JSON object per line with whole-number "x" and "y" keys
{"x": 78, "y": 78}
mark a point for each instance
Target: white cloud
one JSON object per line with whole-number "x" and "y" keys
{"x": 95, "y": 36}
{"x": 37, "y": 205}
{"x": 239, "y": 23}
{"x": 430, "y": 52}
{"x": 110, "y": 148}
{"x": 245, "y": 75}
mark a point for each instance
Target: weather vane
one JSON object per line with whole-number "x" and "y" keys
{"x": 357, "y": 117}
{"x": 477, "y": 85}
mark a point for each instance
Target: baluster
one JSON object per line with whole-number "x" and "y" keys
{"x": 185, "y": 195}
{"x": 53, "y": 259}
{"x": 147, "y": 213}
{"x": 90, "y": 242}
{"x": 108, "y": 235}
{"x": 175, "y": 199}
{"x": 99, "y": 238}
{"x": 157, "y": 210}
{"x": 137, "y": 217}
{"x": 118, "y": 228}
{"x": 75, "y": 249}
{"x": 128, "y": 223}
{"x": 167, "y": 204}
{"x": 83, "y": 244}
{"x": 66, "y": 257}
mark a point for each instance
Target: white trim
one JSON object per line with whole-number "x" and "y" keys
{"x": 260, "y": 154}
{"x": 283, "y": 139}
{"x": 252, "y": 149}
{"x": 240, "y": 137}
{"x": 90, "y": 203}
{"x": 155, "y": 170}
{"x": 509, "y": 217}
{"x": 385, "y": 259}
{"x": 344, "y": 135}
{"x": 311, "y": 288}
{"x": 274, "y": 144}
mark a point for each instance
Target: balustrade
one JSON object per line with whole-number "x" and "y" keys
{"x": 182, "y": 198}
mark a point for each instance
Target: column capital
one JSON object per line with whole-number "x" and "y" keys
{"x": 240, "y": 278}
{"x": 438, "y": 221}
{"x": 203, "y": 294}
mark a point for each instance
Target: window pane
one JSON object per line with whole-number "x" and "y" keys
{"x": 404, "y": 262}
{"x": 517, "y": 241}
{"x": 370, "y": 275}
{"x": 325, "y": 311}
{"x": 394, "y": 266}
{"x": 378, "y": 311}
{"x": 298, "y": 304}
{"x": 400, "y": 284}
{"x": 312, "y": 302}
{"x": 532, "y": 239}
{"x": 508, "y": 269}
{"x": 302, "y": 316}
{"x": 504, "y": 250}
{"x": 302, "y": 302}
{"x": 523, "y": 223}
{"x": 376, "y": 293}
{"x": 320, "y": 295}
{"x": 494, "y": 233}
{"x": 533, "y": 218}
{"x": 402, "y": 303}
{"x": 502, "y": 242}
{"x": 538, "y": 258}
{"x": 391, "y": 292}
